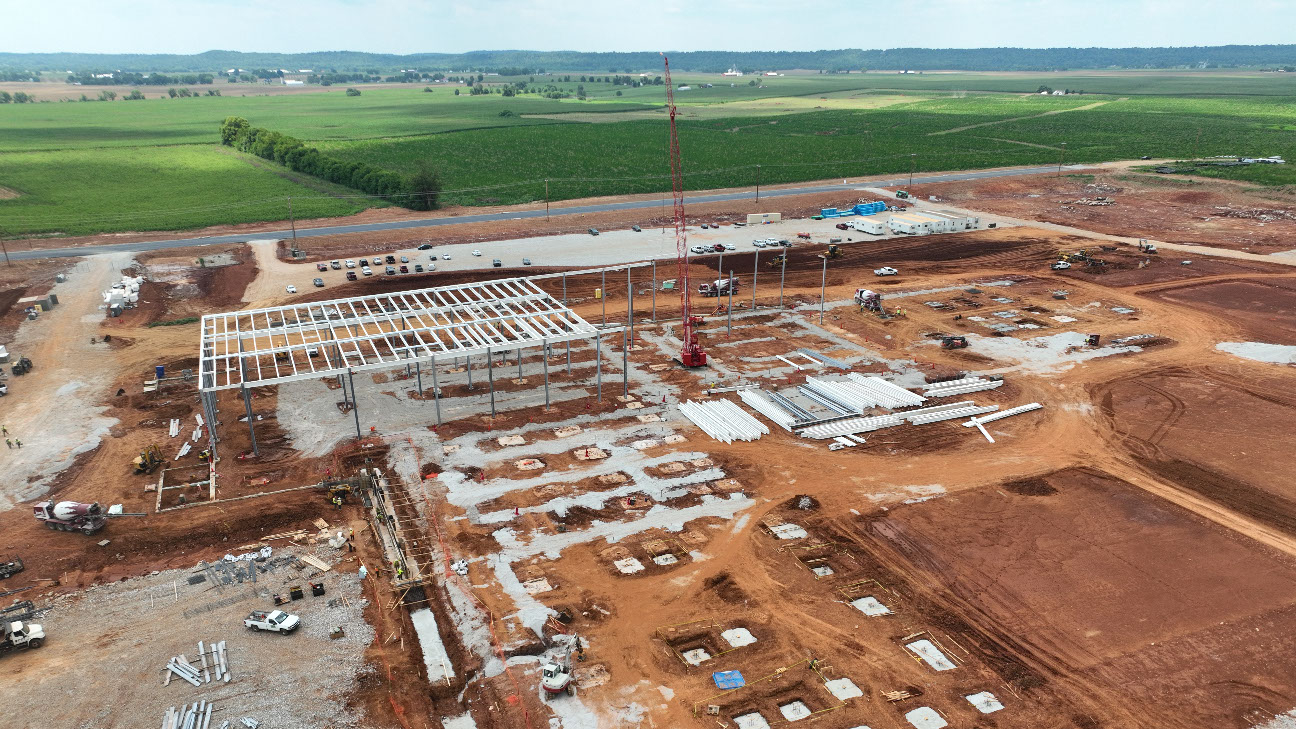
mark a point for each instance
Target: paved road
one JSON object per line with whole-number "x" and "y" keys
{"x": 511, "y": 215}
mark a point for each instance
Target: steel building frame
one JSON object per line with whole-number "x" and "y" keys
{"x": 260, "y": 347}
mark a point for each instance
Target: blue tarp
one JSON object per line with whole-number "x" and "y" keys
{"x": 728, "y": 679}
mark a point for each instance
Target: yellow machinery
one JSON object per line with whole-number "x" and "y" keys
{"x": 148, "y": 460}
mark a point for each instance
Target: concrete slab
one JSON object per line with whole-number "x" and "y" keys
{"x": 843, "y": 688}
{"x": 932, "y": 655}
{"x": 738, "y": 637}
{"x": 537, "y": 586}
{"x": 870, "y": 606}
{"x": 696, "y": 656}
{"x": 789, "y": 531}
{"x": 567, "y": 432}
{"x": 665, "y": 560}
{"x": 629, "y": 565}
{"x": 751, "y": 721}
{"x": 822, "y": 570}
{"x": 985, "y": 702}
{"x": 925, "y": 717}
{"x": 511, "y": 440}
{"x": 529, "y": 464}
{"x": 589, "y": 454}
{"x": 794, "y": 710}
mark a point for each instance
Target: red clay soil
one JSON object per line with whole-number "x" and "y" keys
{"x": 1263, "y": 309}
{"x": 1213, "y": 213}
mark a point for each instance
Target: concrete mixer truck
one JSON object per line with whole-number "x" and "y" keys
{"x": 73, "y": 516}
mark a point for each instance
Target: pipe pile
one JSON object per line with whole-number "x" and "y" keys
{"x": 961, "y": 387}
{"x": 887, "y": 395}
{"x": 1006, "y": 413}
{"x": 757, "y": 401}
{"x": 723, "y": 420}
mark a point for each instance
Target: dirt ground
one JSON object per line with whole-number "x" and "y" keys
{"x": 1220, "y": 214}
{"x": 1123, "y": 557}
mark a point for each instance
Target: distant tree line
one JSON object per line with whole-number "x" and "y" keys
{"x": 522, "y": 63}
{"x": 420, "y": 191}
{"x": 19, "y": 75}
{"x": 17, "y": 97}
{"x": 137, "y": 79}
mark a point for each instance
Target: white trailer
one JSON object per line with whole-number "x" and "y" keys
{"x": 872, "y": 227}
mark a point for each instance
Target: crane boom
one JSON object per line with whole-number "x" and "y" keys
{"x": 692, "y": 354}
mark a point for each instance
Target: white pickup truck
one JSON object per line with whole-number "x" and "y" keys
{"x": 276, "y": 621}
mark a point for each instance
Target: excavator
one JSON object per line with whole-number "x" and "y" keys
{"x": 148, "y": 460}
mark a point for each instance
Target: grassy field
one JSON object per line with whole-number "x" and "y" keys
{"x": 150, "y": 188}
{"x": 154, "y": 164}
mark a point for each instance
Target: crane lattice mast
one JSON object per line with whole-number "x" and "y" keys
{"x": 693, "y": 354}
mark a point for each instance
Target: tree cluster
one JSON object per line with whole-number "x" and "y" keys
{"x": 139, "y": 79}
{"x": 420, "y": 191}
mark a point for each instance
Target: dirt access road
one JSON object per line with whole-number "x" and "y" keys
{"x": 52, "y": 409}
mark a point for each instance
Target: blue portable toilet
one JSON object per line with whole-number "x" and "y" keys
{"x": 160, "y": 371}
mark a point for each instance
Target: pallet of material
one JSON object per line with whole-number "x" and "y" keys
{"x": 316, "y": 562}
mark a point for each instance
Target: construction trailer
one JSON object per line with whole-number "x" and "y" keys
{"x": 872, "y": 227}
{"x": 911, "y": 224}
{"x": 932, "y": 221}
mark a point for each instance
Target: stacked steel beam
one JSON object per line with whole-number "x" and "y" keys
{"x": 723, "y": 420}
{"x": 1006, "y": 413}
{"x": 756, "y": 400}
{"x": 887, "y": 395}
{"x": 961, "y": 387}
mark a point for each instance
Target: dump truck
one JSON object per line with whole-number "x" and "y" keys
{"x": 719, "y": 287}
{"x": 16, "y": 630}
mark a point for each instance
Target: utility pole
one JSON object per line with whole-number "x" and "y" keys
{"x": 5, "y": 248}
{"x": 293, "y": 222}
{"x": 758, "y": 182}
{"x": 913, "y": 163}
{"x": 546, "y": 200}
{"x": 1061, "y": 156}
{"x": 823, "y": 282}
{"x": 1196, "y": 142}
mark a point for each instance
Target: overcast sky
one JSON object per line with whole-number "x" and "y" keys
{"x": 452, "y": 26}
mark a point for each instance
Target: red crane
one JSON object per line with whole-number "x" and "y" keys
{"x": 693, "y": 354}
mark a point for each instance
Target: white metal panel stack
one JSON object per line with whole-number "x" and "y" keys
{"x": 723, "y": 420}
{"x": 952, "y": 413}
{"x": 961, "y": 387}
{"x": 851, "y": 425}
{"x": 756, "y": 400}
{"x": 886, "y": 394}
{"x": 1006, "y": 413}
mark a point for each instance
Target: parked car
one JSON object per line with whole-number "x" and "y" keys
{"x": 593, "y": 231}
{"x": 718, "y": 247}
{"x": 275, "y": 621}
{"x": 349, "y": 263}
{"x": 391, "y": 259}
{"x": 425, "y": 247}
{"x": 704, "y": 226}
{"x": 404, "y": 269}
{"x": 885, "y": 271}
{"x": 364, "y": 262}
{"x": 290, "y": 289}
{"x": 390, "y": 270}
{"x": 636, "y": 229}
{"x": 321, "y": 267}
{"x": 335, "y": 265}
{"x": 404, "y": 259}
{"x": 497, "y": 263}
{"x": 698, "y": 249}
{"x": 351, "y": 276}
{"x": 319, "y": 283}
{"x": 418, "y": 268}
{"x": 1060, "y": 266}
{"x": 446, "y": 256}
{"x": 730, "y": 247}
{"x": 477, "y": 253}
{"x": 366, "y": 271}
{"x": 841, "y": 226}
{"x": 526, "y": 261}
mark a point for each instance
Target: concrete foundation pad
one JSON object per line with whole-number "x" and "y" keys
{"x": 649, "y": 418}
{"x": 674, "y": 438}
{"x": 665, "y": 560}
{"x": 843, "y": 688}
{"x": 822, "y": 570}
{"x": 611, "y": 478}
{"x": 794, "y": 710}
{"x": 789, "y": 531}
{"x": 672, "y": 467}
{"x": 529, "y": 464}
{"x": 702, "y": 462}
{"x": 931, "y": 654}
{"x": 985, "y": 702}
{"x": 567, "y": 432}
{"x": 537, "y": 586}
{"x": 870, "y": 606}
{"x": 738, "y": 637}
{"x": 659, "y": 367}
{"x": 751, "y": 721}
{"x": 511, "y": 440}
{"x": 633, "y": 405}
{"x": 447, "y": 450}
{"x": 925, "y": 717}
{"x": 696, "y": 656}
{"x": 641, "y": 445}
{"x": 629, "y": 565}
{"x": 589, "y": 454}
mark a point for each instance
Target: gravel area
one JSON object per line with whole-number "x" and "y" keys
{"x": 102, "y": 664}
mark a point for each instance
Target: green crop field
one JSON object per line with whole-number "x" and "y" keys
{"x": 156, "y": 164}
{"x": 149, "y": 188}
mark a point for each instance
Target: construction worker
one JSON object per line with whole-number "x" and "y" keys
{"x": 337, "y": 503}
{"x": 4, "y": 430}
{"x": 18, "y": 443}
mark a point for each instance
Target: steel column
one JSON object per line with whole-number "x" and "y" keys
{"x": 654, "y": 304}
{"x": 418, "y": 372}
{"x": 436, "y": 391}
{"x": 598, "y": 364}
{"x": 355, "y": 406}
{"x": 625, "y": 364}
{"x": 490, "y": 375}
{"x": 755, "y": 270}
{"x": 247, "y": 404}
{"x": 782, "y": 275}
{"x": 546, "y": 372}
{"x": 823, "y": 283}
